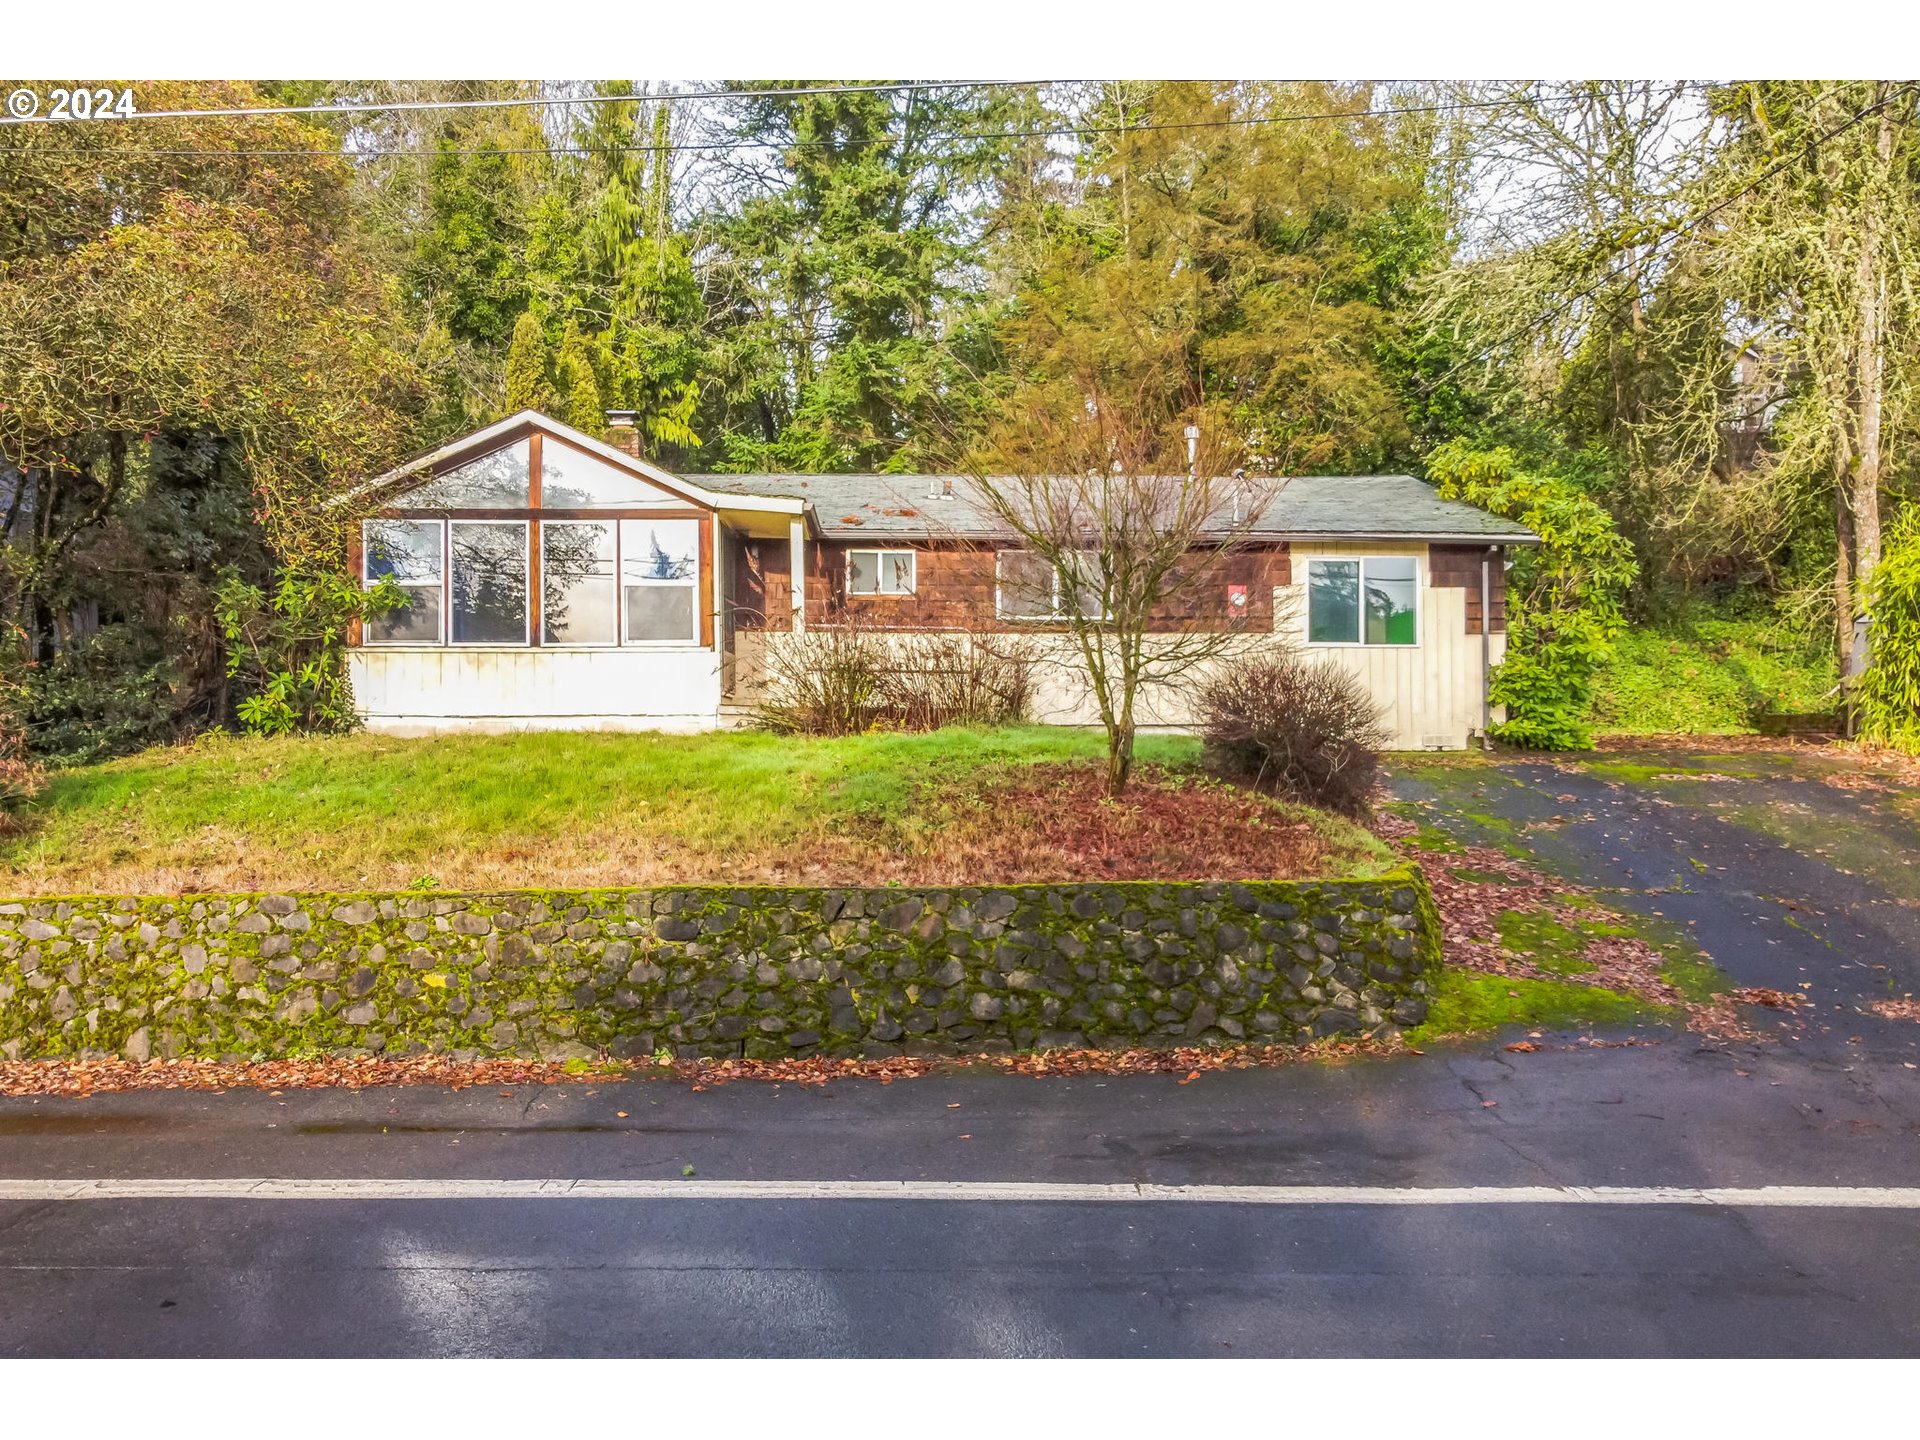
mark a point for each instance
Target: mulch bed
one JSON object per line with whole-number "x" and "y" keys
{"x": 1167, "y": 826}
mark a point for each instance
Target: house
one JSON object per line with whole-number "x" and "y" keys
{"x": 658, "y": 594}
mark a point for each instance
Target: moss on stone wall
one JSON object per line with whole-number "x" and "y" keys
{"x": 717, "y": 970}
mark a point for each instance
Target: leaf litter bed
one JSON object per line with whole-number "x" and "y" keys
{"x": 81, "y": 1078}
{"x": 1052, "y": 823}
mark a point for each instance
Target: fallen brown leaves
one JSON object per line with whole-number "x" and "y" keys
{"x": 1769, "y": 998}
{"x": 91, "y": 1077}
{"x": 1473, "y": 889}
{"x": 1897, "y": 1009}
{"x": 81, "y": 1078}
{"x": 1054, "y": 822}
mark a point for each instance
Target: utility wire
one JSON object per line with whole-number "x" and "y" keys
{"x": 359, "y": 107}
{"x": 729, "y": 145}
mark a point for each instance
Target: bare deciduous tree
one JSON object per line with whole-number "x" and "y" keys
{"x": 1126, "y": 502}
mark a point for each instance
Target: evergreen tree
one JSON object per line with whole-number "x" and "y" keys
{"x": 466, "y": 269}
{"x": 581, "y": 403}
{"x": 527, "y": 384}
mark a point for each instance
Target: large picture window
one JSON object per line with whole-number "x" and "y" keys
{"x": 659, "y": 581}
{"x": 488, "y": 580}
{"x": 880, "y": 572}
{"x": 1370, "y": 601}
{"x": 1029, "y": 586}
{"x": 411, "y": 554}
{"x": 577, "y": 600}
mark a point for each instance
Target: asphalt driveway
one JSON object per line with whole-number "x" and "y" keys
{"x": 1793, "y": 869}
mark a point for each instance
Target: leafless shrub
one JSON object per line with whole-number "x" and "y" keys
{"x": 847, "y": 677}
{"x": 828, "y": 681}
{"x": 960, "y": 678}
{"x": 1305, "y": 729}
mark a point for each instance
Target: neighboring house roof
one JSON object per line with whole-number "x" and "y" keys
{"x": 915, "y": 507}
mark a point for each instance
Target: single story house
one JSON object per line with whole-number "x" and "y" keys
{"x": 559, "y": 580}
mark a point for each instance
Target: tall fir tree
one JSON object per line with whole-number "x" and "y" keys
{"x": 527, "y": 385}
{"x": 581, "y": 403}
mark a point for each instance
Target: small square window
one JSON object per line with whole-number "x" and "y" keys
{"x": 880, "y": 572}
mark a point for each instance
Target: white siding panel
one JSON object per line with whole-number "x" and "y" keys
{"x": 420, "y": 691}
{"x": 1429, "y": 692}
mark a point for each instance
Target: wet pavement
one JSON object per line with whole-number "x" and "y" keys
{"x": 1789, "y": 870}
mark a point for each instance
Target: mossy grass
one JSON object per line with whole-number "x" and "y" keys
{"x": 1468, "y": 1002}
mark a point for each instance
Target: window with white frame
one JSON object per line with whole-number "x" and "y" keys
{"x": 880, "y": 572}
{"x": 1030, "y": 586}
{"x": 411, "y": 553}
{"x": 659, "y": 581}
{"x": 487, "y": 581}
{"x": 1372, "y": 600}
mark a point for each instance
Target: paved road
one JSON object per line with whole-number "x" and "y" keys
{"x": 1834, "y": 1103}
{"x": 934, "y": 1277}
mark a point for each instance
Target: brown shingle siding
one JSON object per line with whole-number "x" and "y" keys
{"x": 955, "y": 587}
{"x": 1458, "y": 567}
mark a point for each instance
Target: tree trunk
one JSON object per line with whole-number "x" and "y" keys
{"x": 1843, "y": 569}
{"x": 1869, "y": 376}
{"x": 1119, "y": 757}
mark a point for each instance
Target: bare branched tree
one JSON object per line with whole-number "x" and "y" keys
{"x": 1126, "y": 500}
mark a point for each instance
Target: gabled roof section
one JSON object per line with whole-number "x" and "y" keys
{"x": 1308, "y": 507}
{"x": 422, "y": 468}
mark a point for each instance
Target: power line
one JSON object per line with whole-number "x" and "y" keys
{"x": 687, "y": 147}
{"x": 353, "y": 107}
{"x": 1676, "y": 231}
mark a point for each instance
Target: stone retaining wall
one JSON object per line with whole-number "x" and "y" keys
{"x": 716, "y": 971}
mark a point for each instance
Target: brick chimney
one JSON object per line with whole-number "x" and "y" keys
{"x": 623, "y": 431}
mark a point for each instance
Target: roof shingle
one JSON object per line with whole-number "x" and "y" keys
{"x": 916, "y": 507}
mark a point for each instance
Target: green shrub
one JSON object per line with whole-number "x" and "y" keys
{"x": 288, "y": 650}
{"x": 1713, "y": 669}
{"x": 1888, "y": 692}
{"x": 1564, "y": 596}
{"x": 112, "y": 694}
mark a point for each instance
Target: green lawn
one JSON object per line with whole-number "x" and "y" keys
{"x": 372, "y": 812}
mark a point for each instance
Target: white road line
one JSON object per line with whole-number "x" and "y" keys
{"x": 1797, "y": 1197}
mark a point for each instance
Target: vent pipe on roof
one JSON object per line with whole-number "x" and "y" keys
{"x": 623, "y": 431}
